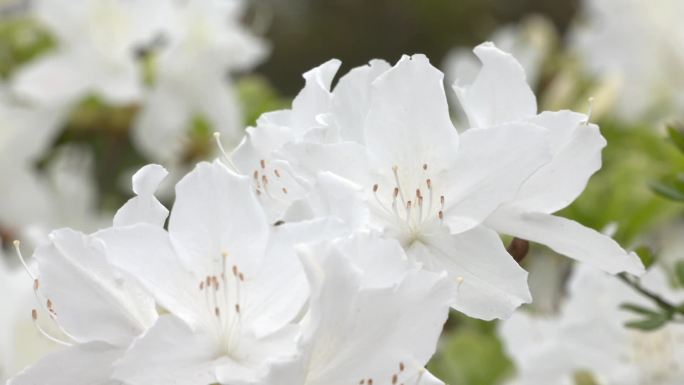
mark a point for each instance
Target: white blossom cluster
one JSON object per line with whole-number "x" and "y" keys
{"x": 329, "y": 246}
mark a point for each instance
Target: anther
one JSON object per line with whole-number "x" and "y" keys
{"x": 36, "y": 284}
{"x": 264, "y": 180}
{"x": 34, "y": 314}
{"x": 201, "y": 286}
{"x": 375, "y": 188}
{"x": 396, "y": 192}
{"x": 394, "y": 379}
{"x": 370, "y": 381}
{"x": 440, "y": 215}
{"x": 17, "y": 247}
{"x": 256, "y": 175}
{"x": 425, "y": 166}
{"x": 235, "y": 270}
{"x": 429, "y": 183}
{"x": 276, "y": 173}
{"x": 242, "y": 277}
{"x": 237, "y": 307}
{"x": 401, "y": 366}
{"x": 262, "y": 163}
{"x": 284, "y": 190}
{"x": 217, "y": 312}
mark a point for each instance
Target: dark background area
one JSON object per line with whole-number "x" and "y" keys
{"x": 305, "y": 33}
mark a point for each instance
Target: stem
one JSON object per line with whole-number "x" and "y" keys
{"x": 662, "y": 303}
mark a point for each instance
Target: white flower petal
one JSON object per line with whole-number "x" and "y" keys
{"x": 491, "y": 166}
{"x": 500, "y": 92}
{"x": 92, "y": 301}
{"x": 351, "y": 99}
{"x": 359, "y": 334}
{"x": 577, "y": 155}
{"x": 489, "y": 283}
{"x": 568, "y": 238}
{"x": 216, "y": 212}
{"x": 408, "y": 122}
{"x": 89, "y": 363}
{"x": 145, "y": 252}
{"x": 145, "y": 207}
{"x": 170, "y": 352}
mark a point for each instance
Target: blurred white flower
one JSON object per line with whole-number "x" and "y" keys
{"x": 34, "y": 201}
{"x": 355, "y": 334}
{"x": 387, "y": 131}
{"x": 95, "y": 53}
{"x": 501, "y": 95}
{"x": 203, "y": 44}
{"x": 589, "y": 336}
{"x": 229, "y": 281}
{"x": 25, "y": 135}
{"x": 637, "y": 48}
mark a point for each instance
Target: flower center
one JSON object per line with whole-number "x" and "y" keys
{"x": 403, "y": 376}
{"x": 410, "y": 212}
{"x": 223, "y": 295}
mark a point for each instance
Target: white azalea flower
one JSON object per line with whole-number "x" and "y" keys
{"x": 202, "y": 44}
{"x": 576, "y": 146}
{"x": 356, "y": 334}
{"x": 229, "y": 281}
{"x": 94, "y": 310}
{"x": 635, "y": 48}
{"x": 387, "y": 131}
{"x": 589, "y": 336}
{"x": 97, "y": 310}
{"x": 95, "y": 54}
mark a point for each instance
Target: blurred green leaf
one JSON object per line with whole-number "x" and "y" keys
{"x": 676, "y": 133}
{"x": 258, "y": 96}
{"x": 679, "y": 272}
{"x": 639, "y": 309}
{"x": 649, "y": 324}
{"x": 646, "y": 255}
{"x": 470, "y": 353}
{"x": 669, "y": 190}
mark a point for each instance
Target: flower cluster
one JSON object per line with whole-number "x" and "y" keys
{"x": 331, "y": 244}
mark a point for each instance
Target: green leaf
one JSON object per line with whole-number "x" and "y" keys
{"x": 649, "y": 324}
{"x": 639, "y": 309}
{"x": 646, "y": 255}
{"x": 679, "y": 272}
{"x": 677, "y": 135}
{"x": 668, "y": 190}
